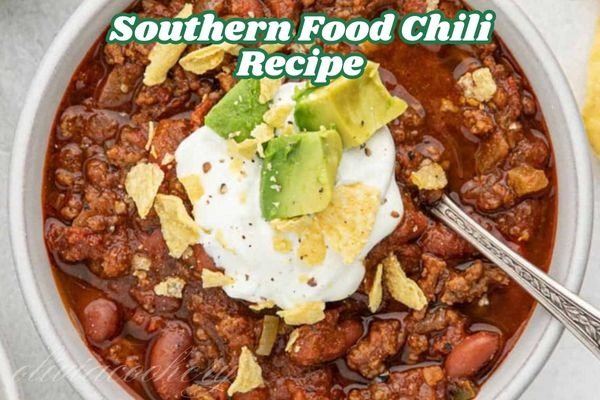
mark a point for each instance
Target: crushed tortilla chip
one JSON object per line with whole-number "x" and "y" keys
{"x": 591, "y": 110}
{"x": 178, "y": 228}
{"x": 376, "y": 292}
{"x": 448, "y": 106}
{"x": 237, "y": 167}
{"x": 277, "y": 115}
{"x": 346, "y": 224}
{"x": 479, "y": 85}
{"x": 151, "y": 133}
{"x": 265, "y": 305}
{"x": 430, "y": 176}
{"x": 300, "y": 48}
{"x": 432, "y": 5}
{"x": 249, "y": 374}
{"x": 291, "y": 225}
{"x": 268, "y": 335}
{"x": 348, "y": 221}
{"x": 213, "y": 279}
{"x": 207, "y": 58}
{"x": 262, "y": 134}
{"x": 142, "y": 183}
{"x": 289, "y": 347}
{"x": 193, "y": 187}
{"x": 272, "y": 48}
{"x": 312, "y": 248}
{"x": 221, "y": 239}
{"x": 170, "y": 287}
{"x": 140, "y": 264}
{"x": 153, "y": 151}
{"x": 281, "y": 244}
{"x": 402, "y": 288}
{"x": 164, "y": 56}
{"x": 268, "y": 88}
{"x": 167, "y": 159}
{"x": 140, "y": 274}
{"x": 288, "y": 130}
{"x": 245, "y": 150}
{"x": 307, "y": 314}
{"x": 525, "y": 180}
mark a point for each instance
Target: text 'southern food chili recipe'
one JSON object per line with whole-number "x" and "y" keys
{"x": 269, "y": 239}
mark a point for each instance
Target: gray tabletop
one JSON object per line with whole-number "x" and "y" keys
{"x": 28, "y": 26}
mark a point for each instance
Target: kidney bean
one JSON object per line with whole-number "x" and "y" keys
{"x": 101, "y": 320}
{"x": 472, "y": 354}
{"x": 168, "y": 360}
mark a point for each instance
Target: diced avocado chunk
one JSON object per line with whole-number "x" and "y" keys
{"x": 239, "y": 112}
{"x": 298, "y": 174}
{"x": 357, "y": 108}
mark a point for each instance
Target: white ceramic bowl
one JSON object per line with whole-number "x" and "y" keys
{"x": 8, "y": 387}
{"x": 48, "y": 87}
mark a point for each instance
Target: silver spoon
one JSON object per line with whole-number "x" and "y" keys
{"x": 582, "y": 319}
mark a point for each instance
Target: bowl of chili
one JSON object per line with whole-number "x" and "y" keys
{"x": 551, "y": 117}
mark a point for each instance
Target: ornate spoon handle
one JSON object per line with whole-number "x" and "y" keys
{"x": 578, "y": 316}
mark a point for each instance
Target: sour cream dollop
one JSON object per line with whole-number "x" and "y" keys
{"x": 240, "y": 240}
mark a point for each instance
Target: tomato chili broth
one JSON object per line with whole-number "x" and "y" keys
{"x": 423, "y": 76}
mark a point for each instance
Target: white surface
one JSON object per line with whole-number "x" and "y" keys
{"x": 568, "y": 25}
{"x": 259, "y": 271}
{"x": 8, "y": 386}
{"x": 28, "y": 26}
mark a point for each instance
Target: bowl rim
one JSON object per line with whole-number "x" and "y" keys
{"x": 18, "y": 233}
{"x": 24, "y": 133}
{"x": 523, "y": 378}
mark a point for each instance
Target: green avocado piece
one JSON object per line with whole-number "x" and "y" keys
{"x": 357, "y": 108}
{"x": 239, "y": 111}
{"x": 298, "y": 174}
